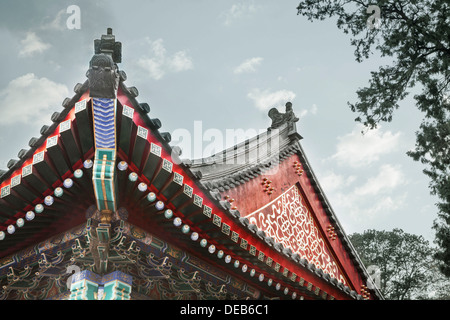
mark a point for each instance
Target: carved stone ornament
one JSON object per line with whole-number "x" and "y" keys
{"x": 103, "y": 73}
{"x": 103, "y": 77}
{"x": 108, "y": 45}
{"x": 279, "y": 118}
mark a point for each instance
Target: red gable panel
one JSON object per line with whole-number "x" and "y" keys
{"x": 289, "y": 220}
{"x": 283, "y": 203}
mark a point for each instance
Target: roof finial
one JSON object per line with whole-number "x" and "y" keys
{"x": 279, "y": 118}
{"x": 289, "y": 118}
{"x": 108, "y": 45}
{"x": 103, "y": 72}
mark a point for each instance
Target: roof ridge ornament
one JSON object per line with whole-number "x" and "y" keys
{"x": 103, "y": 73}
{"x": 278, "y": 118}
{"x": 289, "y": 117}
{"x": 107, "y": 44}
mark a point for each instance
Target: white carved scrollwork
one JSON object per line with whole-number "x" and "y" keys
{"x": 289, "y": 221}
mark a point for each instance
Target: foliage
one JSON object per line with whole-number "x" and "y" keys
{"x": 406, "y": 263}
{"x": 416, "y": 35}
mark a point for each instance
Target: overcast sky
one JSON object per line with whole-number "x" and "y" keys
{"x": 224, "y": 63}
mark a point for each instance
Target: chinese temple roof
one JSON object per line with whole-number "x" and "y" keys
{"x": 103, "y": 189}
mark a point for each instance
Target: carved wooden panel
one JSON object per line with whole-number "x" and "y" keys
{"x": 289, "y": 221}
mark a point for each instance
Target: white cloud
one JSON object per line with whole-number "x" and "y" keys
{"x": 388, "y": 178}
{"x": 180, "y": 62}
{"x": 304, "y": 112}
{"x": 332, "y": 181}
{"x": 374, "y": 199}
{"x": 154, "y": 68}
{"x": 358, "y": 150}
{"x": 57, "y": 23}
{"x": 32, "y": 44}
{"x": 379, "y": 196}
{"x": 264, "y": 100}
{"x": 248, "y": 65}
{"x": 363, "y": 210}
{"x": 159, "y": 63}
{"x": 29, "y": 99}
{"x": 379, "y": 207}
{"x": 239, "y": 11}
